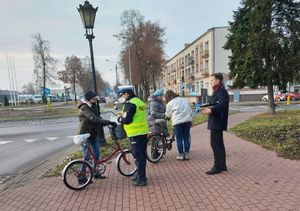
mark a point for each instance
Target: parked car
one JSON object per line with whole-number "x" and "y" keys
{"x": 293, "y": 95}
{"x": 278, "y": 96}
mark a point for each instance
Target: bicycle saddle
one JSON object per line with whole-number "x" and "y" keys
{"x": 78, "y": 139}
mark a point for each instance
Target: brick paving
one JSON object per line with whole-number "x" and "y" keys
{"x": 256, "y": 180}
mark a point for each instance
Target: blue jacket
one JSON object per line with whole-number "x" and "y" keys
{"x": 218, "y": 119}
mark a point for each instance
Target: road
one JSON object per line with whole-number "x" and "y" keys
{"x": 24, "y": 147}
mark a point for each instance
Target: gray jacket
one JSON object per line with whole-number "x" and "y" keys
{"x": 156, "y": 110}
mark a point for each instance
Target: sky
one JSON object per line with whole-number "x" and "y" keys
{"x": 58, "y": 21}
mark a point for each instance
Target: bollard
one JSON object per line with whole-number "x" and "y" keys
{"x": 49, "y": 104}
{"x": 288, "y": 100}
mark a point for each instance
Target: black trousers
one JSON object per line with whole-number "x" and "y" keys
{"x": 138, "y": 149}
{"x": 217, "y": 145}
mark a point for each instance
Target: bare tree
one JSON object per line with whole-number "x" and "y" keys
{"x": 44, "y": 64}
{"x": 28, "y": 88}
{"x": 71, "y": 73}
{"x": 145, "y": 41}
{"x": 86, "y": 79}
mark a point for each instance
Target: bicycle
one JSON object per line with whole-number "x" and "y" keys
{"x": 159, "y": 143}
{"x": 78, "y": 174}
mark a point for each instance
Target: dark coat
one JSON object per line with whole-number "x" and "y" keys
{"x": 218, "y": 119}
{"x": 88, "y": 120}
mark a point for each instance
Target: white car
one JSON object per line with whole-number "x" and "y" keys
{"x": 278, "y": 96}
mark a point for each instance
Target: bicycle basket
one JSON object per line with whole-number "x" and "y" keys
{"x": 118, "y": 132}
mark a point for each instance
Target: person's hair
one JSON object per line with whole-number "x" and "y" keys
{"x": 218, "y": 76}
{"x": 169, "y": 95}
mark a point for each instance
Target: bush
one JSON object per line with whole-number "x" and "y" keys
{"x": 280, "y": 132}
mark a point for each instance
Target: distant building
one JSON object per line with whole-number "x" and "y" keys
{"x": 187, "y": 73}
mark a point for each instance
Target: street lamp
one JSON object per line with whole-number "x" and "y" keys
{"x": 116, "y": 67}
{"x": 129, "y": 59}
{"x": 88, "y": 15}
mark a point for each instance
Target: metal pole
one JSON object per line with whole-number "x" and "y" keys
{"x": 16, "y": 84}
{"x": 116, "y": 75}
{"x": 90, "y": 38}
{"x": 9, "y": 81}
{"x": 130, "y": 81}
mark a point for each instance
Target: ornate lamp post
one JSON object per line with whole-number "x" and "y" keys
{"x": 88, "y": 15}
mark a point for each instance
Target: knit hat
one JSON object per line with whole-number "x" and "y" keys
{"x": 158, "y": 92}
{"x": 89, "y": 95}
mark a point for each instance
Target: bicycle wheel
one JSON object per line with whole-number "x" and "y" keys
{"x": 155, "y": 148}
{"x": 77, "y": 174}
{"x": 126, "y": 163}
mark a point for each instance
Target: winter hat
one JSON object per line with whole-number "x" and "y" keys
{"x": 158, "y": 92}
{"x": 89, "y": 95}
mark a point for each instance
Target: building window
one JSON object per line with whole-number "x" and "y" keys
{"x": 206, "y": 45}
{"x": 206, "y": 65}
{"x": 197, "y": 86}
{"x": 196, "y": 51}
{"x": 197, "y": 68}
{"x": 201, "y": 84}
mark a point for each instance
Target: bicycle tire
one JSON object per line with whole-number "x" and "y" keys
{"x": 125, "y": 163}
{"x": 73, "y": 176}
{"x": 155, "y": 148}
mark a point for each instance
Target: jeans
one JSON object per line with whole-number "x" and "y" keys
{"x": 95, "y": 146}
{"x": 182, "y": 133}
{"x": 217, "y": 145}
{"x": 138, "y": 149}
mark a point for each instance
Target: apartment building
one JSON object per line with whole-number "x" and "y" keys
{"x": 187, "y": 73}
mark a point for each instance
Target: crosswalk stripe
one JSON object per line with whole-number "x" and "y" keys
{"x": 4, "y": 142}
{"x": 30, "y": 140}
{"x": 51, "y": 138}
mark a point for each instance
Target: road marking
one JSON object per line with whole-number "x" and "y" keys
{"x": 70, "y": 136}
{"x": 4, "y": 142}
{"x": 51, "y": 138}
{"x": 30, "y": 140}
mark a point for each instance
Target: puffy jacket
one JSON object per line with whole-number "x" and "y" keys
{"x": 179, "y": 110}
{"x": 156, "y": 110}
{"x": 88, "y": 119}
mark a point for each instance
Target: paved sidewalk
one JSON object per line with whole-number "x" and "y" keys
{"x": 256, "y": 180}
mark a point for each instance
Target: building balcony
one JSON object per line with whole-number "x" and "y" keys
{"x": 205, "y": 54}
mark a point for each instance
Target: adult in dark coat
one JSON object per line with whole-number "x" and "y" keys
{"x": 217, "y": 122}
{"x": 89, "y": 121}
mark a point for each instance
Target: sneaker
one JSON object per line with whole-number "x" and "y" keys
{"x": 82, "y": 180}
{"x": 186, "y": 156}
{"x": 180, "y": 157}
{"x": 99, "y": 176}
{"x": 139, "y": 183}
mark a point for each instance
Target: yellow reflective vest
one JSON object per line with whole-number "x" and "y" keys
{"x": 139, "y": 125}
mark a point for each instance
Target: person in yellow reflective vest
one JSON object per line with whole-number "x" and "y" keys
{"x": 134, "y": 120}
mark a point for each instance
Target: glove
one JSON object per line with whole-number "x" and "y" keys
{"x": 106, "y": 122}
{"x": 113, "y": 124}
